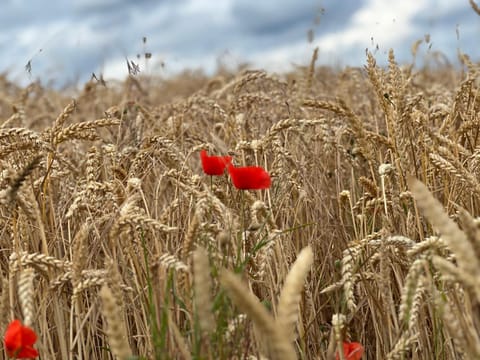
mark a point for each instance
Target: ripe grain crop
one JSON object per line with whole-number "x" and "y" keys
{"x": 115, "y": 244}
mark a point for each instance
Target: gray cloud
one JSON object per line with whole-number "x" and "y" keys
{"x": 334, "y": 17}
{"x": 17, "y": 14}
{"x": 267, "y": 17}
{"x": 442, "y": 24}
{"x": 106, "y": 7}
{"x": 85, "y": 36}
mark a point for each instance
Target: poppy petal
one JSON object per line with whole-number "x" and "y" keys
{"x": 249, "y": 177}
{"x": 19, "y": 341}
{"x": 352, "y": 351}
{"x": 355, "y": 351}
{"x": 28, "y": 336}
{"x": 13, "y": 336}
{"x": 214, "y": 165}
{"x": 28, "y": 352}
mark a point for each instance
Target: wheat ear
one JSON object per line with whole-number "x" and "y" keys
{"x": 25, "y": 294}
{"x": 474, "y": 6}
{"x": 291, "y": 293}
{"x": 203, "y": 289}
{"x": 452, "y": 235}
{"x": 116, "y": 332}
{"x": 278, "y": 345}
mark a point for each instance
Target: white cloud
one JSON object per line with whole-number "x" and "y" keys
{"x": 383, "y": 23}
{"x": 282, "y": 58}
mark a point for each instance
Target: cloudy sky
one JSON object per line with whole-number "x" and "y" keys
{"x": 65, "y": 41}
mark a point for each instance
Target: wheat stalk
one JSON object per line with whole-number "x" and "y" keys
{"x": 4, "y": 304}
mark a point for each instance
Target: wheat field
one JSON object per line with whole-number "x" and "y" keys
{"x": 115, "y": 245}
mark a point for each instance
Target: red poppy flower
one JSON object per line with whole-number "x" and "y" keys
{"x": 352, "y": 351}
{"x": 214, "y": 165}
{"x": 249, "y": 177}
{"x": 19, "y": 341}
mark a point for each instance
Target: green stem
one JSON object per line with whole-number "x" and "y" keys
{"x": 244, "y": 231}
